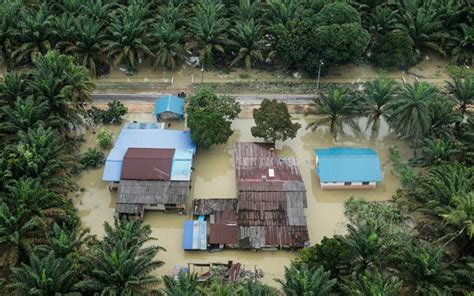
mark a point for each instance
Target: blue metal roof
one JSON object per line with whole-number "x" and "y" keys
{"x": 195, "y": 235}
{"x": 169, "y": 103}
{"x": 145, "y": 138}
{"x": 348, "y": 165}
{"x": 181, "y": 165}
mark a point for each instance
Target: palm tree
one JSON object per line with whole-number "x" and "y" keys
{"x": 462, "y": 43}
{"x": 410, "y": 113}
{"x": 383, "y": 20}
{"x": 86, "y": 43}
{"x": 256, "y": 288}
{"x": 281, "y": 12}
{"x": 446, "y": 181}
{"x": 424, "y": 267}
{"x": 209, "y": 28}
{"x": 65, "y": 243}
{"x": 20, "y": 232}
{"x": 99, "y": 10}
{"x": 120, "y": 264}
{"x": 169, "y": 49}
{"x": 373, "y": 284}
{"x": 8, "y": 16}
{"x": 172, "y": 13}
{"x": 128, "y": 37}
{"x": 365, "y": 246}
{"x": 13, "y": 87}
{"x": 34, "y": 34}
{"x": 336, "y": 108}
{"x": 46, "y": 276}
{"x": 184, "y": 285}
{"x": 443, "y": 119}
{"x": 462, "y": 92}
{"x": 27, "y": 113}
{"x": 378, "y": 94}
{"x": 306, "y": 281}
{"x": 437, "y": 151}
{"x": 248, "y": 39}
{"x": 220, "y": 287}
{"x": 459, "y": 214}
{"x": 246, "y": 10}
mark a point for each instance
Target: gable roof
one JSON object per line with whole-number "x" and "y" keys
{"x": 169, "y": 103}
{"x": 144, "y": 138}
{"x": 345, "y": 164}
{"x": 147, "y": 164}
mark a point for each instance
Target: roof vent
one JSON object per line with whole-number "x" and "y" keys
{"x": 271, "y": 173}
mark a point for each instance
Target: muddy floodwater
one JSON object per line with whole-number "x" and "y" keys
{"x": 214, "y": 176}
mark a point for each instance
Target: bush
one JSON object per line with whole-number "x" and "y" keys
{"x": 113, "y": 115}
{"x": 105, "y": 138}
{"x": 93, "y": 158}
{"x": 394, "y": 50}
{"x": 337, "y": 13}
{"x": 336, "y": 44}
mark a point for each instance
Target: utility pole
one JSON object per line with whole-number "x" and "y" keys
{"x": 319, "y": 73}
{"x": 202, "y": 74}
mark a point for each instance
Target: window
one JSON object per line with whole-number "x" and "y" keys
{"x": 347, "y": 183}
{"x": 365, "y": 183}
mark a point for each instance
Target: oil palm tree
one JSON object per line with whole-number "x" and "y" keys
{"x": 86, "y": 43}
{"x": 64, "y": 243}
{"x": 335, "y": 109}
{"x": 27, "y": 113}
{"x": 246, "y": 10}
{"x": 365, "y": 246}
{"x": 462, "y": 44}
{"x": 437, "y": 151}
{"x": 383, "y": 20}
{"x": 44, "y": 276}
{"x": 14, "y": 86}
{"x": 172, "y": 13}
{"x": 462, "y": 92}
{"x": 209, "y": 27}
{"x": 423, "y": 24}
{"x": 378, "y": 94}
{"x": 373, "y": 284}
{"x": 247, "y": 37}
{"x": 221, "y": 288}
{"x": 410, "y": 113}
{"x": 34, "y": 35}
{"x": 306, "y": 281}
{"x": 424, "y": 267}
{"x": 281, "y": 12}
{"x": 444, "y": 118}
{"x": 120, "y": 264}
{"x": 459, "y": 214}
{"x": 184, "y": 285}
{"x": 99, "y": 10}
{"x": 169, "y": 45}
{"x": 20, "y": 232}
{"x": 128, "y": 38}
{"x": 8, "y": 17}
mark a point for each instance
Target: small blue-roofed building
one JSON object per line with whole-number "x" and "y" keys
{"x": 169, "y": 107}
{"x": 348, "y": 168}
{"x": 195, "y": 235}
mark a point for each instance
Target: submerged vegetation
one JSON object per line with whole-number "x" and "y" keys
{"x": 421, "y": 242}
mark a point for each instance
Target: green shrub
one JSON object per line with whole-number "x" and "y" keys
{"x": 393, "y": 50}
{"x": 93, "y": 158}
{"x": 105, "y": 138}
{"x": 337, "y": 13}
{"x": 113, "y": 115}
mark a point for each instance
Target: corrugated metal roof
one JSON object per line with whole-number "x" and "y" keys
{"x": 182, "y": 165}
{"x": 147, "y": 164}
{"x": 143, "y": 138}
{"x": 169, "y": 103}
{"x": 223, "y": 234}
{"x": 348, "y": 165}
{"x": 188, "y": 235}
{"x": 271, "y": 198}
{"x": 207, "y": 206}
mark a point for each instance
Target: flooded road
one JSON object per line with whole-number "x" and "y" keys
{"x": 214, "y": 176}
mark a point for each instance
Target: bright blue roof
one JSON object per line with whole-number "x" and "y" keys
{"x": 169, "y": 103}
{"x": 188, "y": 235}
{"x": 181, "y": 165}
{"x": 145, "y": 138}
{"x": 348, "y": 165}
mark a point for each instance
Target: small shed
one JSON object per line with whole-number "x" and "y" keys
{"x": 348, "y": 168}
{"x": 169, "y": 107}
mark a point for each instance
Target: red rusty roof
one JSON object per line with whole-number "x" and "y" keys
{"x": 223, "y": 234}
{"x": 271, "y": 198}
{"x": 147, "y": 164}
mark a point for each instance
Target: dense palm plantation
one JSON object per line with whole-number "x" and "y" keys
{"x": 234, "y": 33}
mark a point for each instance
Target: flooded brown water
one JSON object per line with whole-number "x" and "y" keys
{"x": 214, "y": 176}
